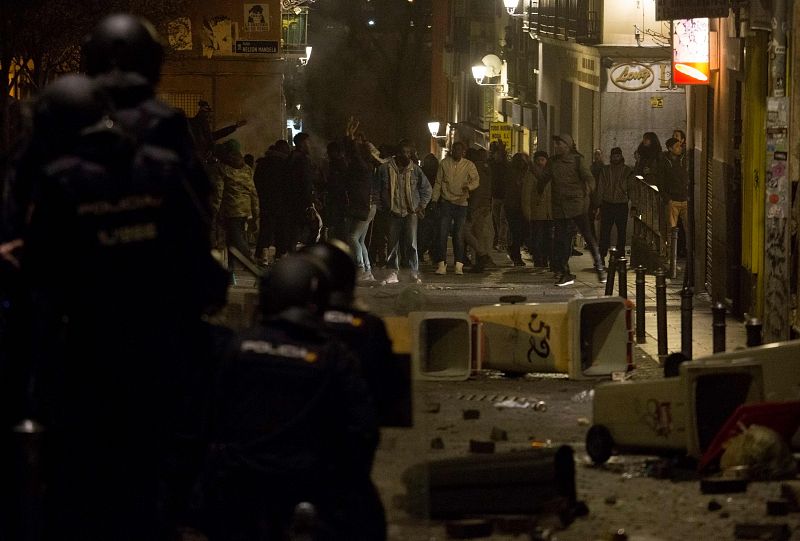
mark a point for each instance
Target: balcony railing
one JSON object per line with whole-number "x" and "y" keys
{"x": 567, "y": 20}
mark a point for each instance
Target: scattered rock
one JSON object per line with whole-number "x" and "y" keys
{"x": 790, "y": 494}
{"x": 777, "y": 508}
{"x": 470, "y": 415}
{"x": 583, "y": 421}
{"x": 764, "y": 532}
{"x": 437, "y": 443}
{"x": 469, "y": 529}
{"x": 714, "y": 505}
{"x": 722, "y": 486}
{"x": 619, "y": 535}
{"x": 433, "y": 407}
{"x": 498, "y": 434}
{"x": 477, "y": 446}
{"x": 514, "y": 524}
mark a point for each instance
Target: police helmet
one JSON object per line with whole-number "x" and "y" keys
{"x": 126, "y": 43}
{"x": 337, "y": 259}
{"x": 295, "y": 281}
{"x": 67, "y": 106}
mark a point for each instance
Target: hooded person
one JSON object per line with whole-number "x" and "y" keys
{"x": 239, "y": 199}
{"x": 613, "y": 194}
{"x": 572, "y": 185}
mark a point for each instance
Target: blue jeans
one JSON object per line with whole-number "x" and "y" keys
{"x": 451, "y": 221}
{"x": 403, "y": 229}
{"x": 358, "y": 237}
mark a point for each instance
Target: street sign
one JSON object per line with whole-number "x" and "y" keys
{"x": 250, "y": 46}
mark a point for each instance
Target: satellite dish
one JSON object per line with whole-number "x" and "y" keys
{"x": 494, "y": 66}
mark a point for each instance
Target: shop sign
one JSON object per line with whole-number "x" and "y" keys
{"x": 690, "y": 52}
{"x": 501, "y": 131}
{"x": 631, "y": 76}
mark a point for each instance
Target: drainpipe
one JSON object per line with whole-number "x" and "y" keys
{"x": 794, "y": 131}
{"x": 777, "y": 255}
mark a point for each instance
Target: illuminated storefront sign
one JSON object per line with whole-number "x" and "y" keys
{"x": 631, "y": 76}
{"x": 690, "y": 52}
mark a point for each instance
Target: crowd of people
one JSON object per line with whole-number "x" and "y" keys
{"x": 395, "y": 210}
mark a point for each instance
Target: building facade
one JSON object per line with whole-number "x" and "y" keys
{"x": 601, "y": 70}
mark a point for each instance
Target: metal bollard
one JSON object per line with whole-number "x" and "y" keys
{"x": 622, "y": 277}
{"x": 661, "y": 313}
{"x": 686, "y": 321}
{"x": 612, "y": 271}
{"x": 673, "y": 253}
{"x": 753, "y": 329}
{"x": 718, "y": 326}
{"x": 640, "y": 281}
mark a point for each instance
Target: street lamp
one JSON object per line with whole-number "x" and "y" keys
{"x": 304, "y": 59}
{"x": 433, "y": 127}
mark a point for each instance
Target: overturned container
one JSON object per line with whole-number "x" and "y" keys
{"x": 584, "y": 337}
{"x": 518, "y": 483}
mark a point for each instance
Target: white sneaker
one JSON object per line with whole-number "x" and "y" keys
{"x": 416, "y": 279}
{"x": 442, "y": 268}
{"x": 459, "y": 267}
{"x": 391, "y": 279}
{"x": 365, "y": 276}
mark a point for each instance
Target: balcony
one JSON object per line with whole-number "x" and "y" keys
{"x": 567, "y": 20}
{"x": 294, "y": 32}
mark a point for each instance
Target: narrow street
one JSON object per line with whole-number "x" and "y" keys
{"x": 619, "y": 495}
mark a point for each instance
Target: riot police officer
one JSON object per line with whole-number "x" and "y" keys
{"x": 116, "y": 315}
{"x": 124, "y": 54}
{"x": 292, "y": 421}
{"x": 388, "y": 378}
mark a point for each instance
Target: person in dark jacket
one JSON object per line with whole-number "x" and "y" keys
{"x": 269, "y": 175}
{"x": 293, "y": 422}
{"x": 204, "y": 137}
{"x": 648, "y": 159}
{"x": 674, "y": 186}
{"x": 296, "y": 199}
{"x": 613, "y": 194}
{"x": 572, "y": 184}
{"x": 541, "y": 216}
{"x": 520, "y": 179}
{"x": 479, "y": 230}
{"x": 362, "y": 196}
{"x": 500, "y": 169}
{"x": 336, "y": 196}
{"x": 428, "y": 231}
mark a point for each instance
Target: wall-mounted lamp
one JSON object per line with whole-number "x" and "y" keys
{"x": 433, "y": 127}
{"x": 490, "y": 67}
{"x": 511, "y": 8}
{"x": 304, "y": 59}
{"x": 479, "y": 73}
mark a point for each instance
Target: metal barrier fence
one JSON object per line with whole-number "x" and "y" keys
{"x": 648, "y": 245}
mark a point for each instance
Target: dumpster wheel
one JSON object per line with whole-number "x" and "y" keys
{"x": 599, "y": 444}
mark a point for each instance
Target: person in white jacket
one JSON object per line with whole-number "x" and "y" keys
{"x": 455, "y": 179}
